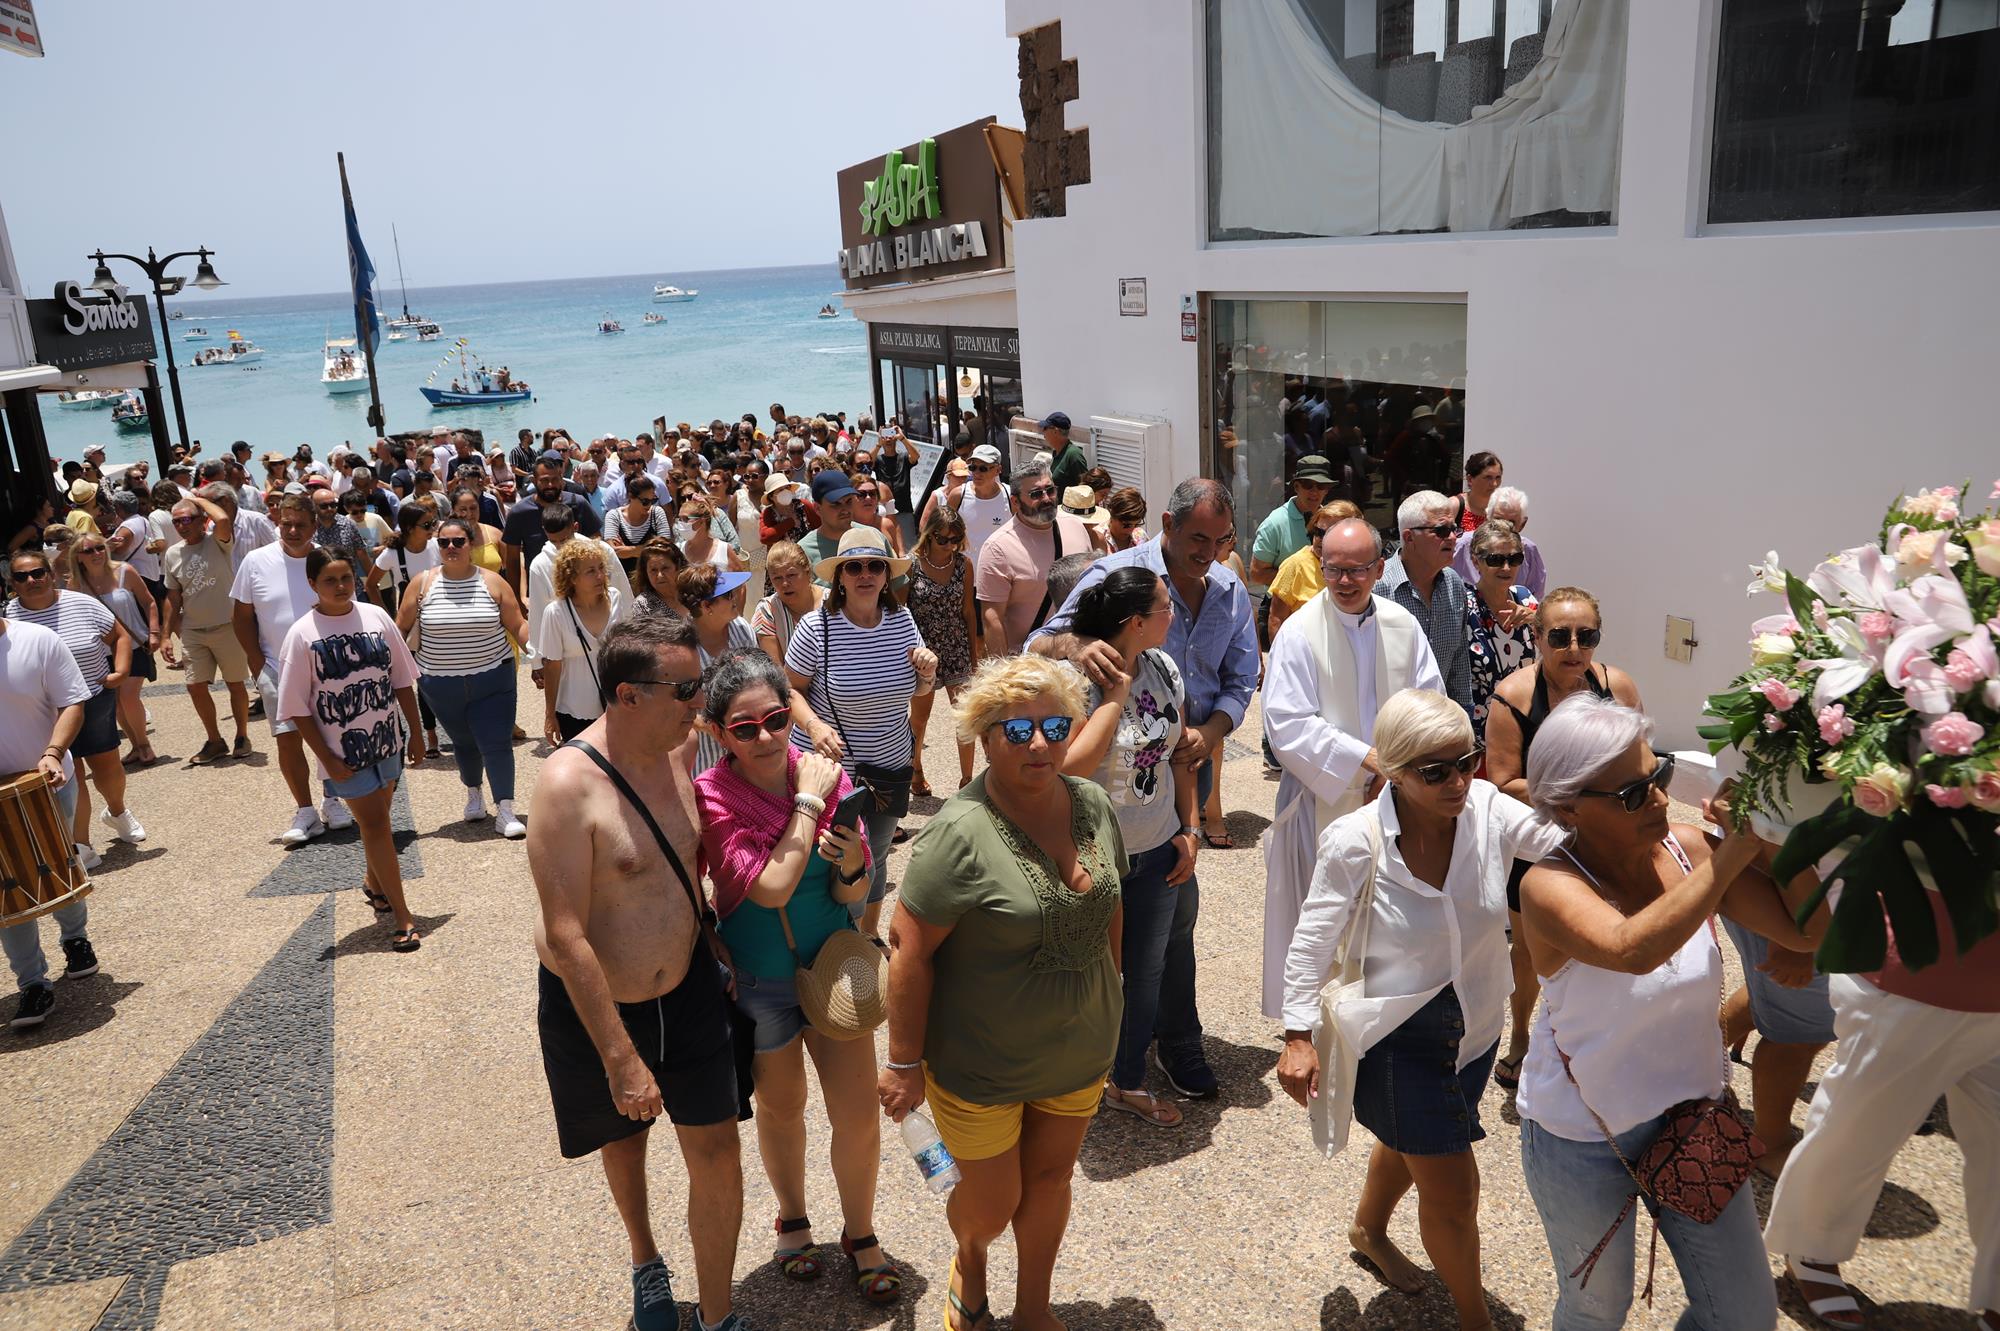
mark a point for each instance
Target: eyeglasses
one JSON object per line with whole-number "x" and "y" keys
{"x": 771, "y": 723}
{"x": 31, "y": 574}
{"x": 947, "y": 541}
{"x": 452, "y": 542}
{"x": 1434, "y": 774}
{"x": 876, "y": 567}
{"x": 187, "y": 519}
{"x": 1318, "y": 532}
{"x": 1585, "y": 638}
{"x": 1634, "y": 794}
{"x": 1444, "y": 531}
{"x": 1021, "y": 730}
{"x": 984, "y": 466}
{"x": 1503, "y": 561}
{"x": 1338, "y": 573}
{"x": 684, "y": 689}
{"x": 327, "y": 508}
{"x": 426, "y": 526}
{"x": 869, "y": 493}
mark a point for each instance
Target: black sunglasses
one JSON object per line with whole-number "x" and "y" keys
{"x": 875, "y": 566}
{"x": 1434, "y": 774}
{"x": 1633, "y": 794}
{"x": 771, "y": 723}
{"x": 1444, "y": 531}
{"x": 684, "y": 689}
{"x": 1503, "y": 561}
{"x": 30, "y": 574}
{"x": 1585, "y": 638}
{"x": 452, "y": 542}
{"x": 1021, "y": 730}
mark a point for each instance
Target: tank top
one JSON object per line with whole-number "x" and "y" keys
{"x": 1538, "y": 707}
{"x": 124, "y": 607}
{"x": 1637, "y": 1044}
{"x": 982, "y": 517}
{"x": 459, "y": 631}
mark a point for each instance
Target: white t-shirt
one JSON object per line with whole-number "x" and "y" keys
{"x": 38, "y": 677}
{"x": 982, "y": 517}
{"x": 557, "y": 638}
{"x": 401, "y": 565}
{"x": 274, "y": 585}
{"x": 143, "y": 561}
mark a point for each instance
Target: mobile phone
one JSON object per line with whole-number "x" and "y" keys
{"x": 847, "y": 813}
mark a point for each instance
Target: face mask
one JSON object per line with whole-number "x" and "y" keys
{"x": 683, "y": 532}
{"x": 784, "y": 499}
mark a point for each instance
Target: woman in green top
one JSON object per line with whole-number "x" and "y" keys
{"x": 778, "y": 863}
{"x": 1004, "y": 998}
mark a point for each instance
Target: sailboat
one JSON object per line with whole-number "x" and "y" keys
{"x": 475, "y": 387}
{"x": 409, "y": 322}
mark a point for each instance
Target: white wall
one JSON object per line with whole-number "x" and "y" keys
{"x": 1675, "y": 404}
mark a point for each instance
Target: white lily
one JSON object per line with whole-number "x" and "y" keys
{"x": 1768, "y": 576}
{"x": 1841, "y": 675}
{"x": 1861, "y": 577}
{"x": 1930, "y": 611}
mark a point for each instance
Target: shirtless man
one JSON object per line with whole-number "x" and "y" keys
{"x": 634, "y": 1016}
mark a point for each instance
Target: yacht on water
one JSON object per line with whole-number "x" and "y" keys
{"x": 409, "y": 322}
{"x": 649, "y": 318}
{"x": 238, "y": 349}
{"x": 346, "y": 366}
{"x": 130, "y": 413}
{"x": 88, "y": 399}
{"x": 671, "y": 294}
{"x": 195, "y": 335}
{"x": 827, "y": 311}
{"x": 609, "y": 325}
{"x": 476, "y": 386}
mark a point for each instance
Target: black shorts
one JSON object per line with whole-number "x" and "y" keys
{"x": 1514, "y": 877}
{"x": 685, "y": 1037}
{"x": 142, "y": 664}
{"x": 100, "y": 726}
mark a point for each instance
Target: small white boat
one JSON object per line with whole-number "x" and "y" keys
{"x": 177, "y": 314}
{"x": 650, "y": 318}
{"x": 428, "y": 332}
{"x": 395, "y": 335}
{"x": 346, "y": 367}
{"x": 827, "y": 311}
{"x": 88, "y": 399}
{"x": 195, "y": 335}
{"x": 671, "y": 294}
{"x": 609, "y": 325}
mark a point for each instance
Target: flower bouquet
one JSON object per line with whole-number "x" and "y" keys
{"x": 1878, "y": 693}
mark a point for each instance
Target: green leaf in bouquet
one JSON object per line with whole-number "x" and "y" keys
{"x": 1856, "y": 940}
{"x": 1877, "y": 875}
{"x": 1813, "y": 840}
{"x": 1801, "y": 597}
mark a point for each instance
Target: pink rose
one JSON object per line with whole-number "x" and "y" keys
{"x": 1946, "y": 797}
{"x": 1834, "y": 726}
{"x": 1952, "y": 735}
{"x": 1985, "y": 792}
{"x": 1882, "y": 791}
{"x": 1876, "y": 626}
{"x": 1779, "y": 694}
{"x": 1962, "y": 672}
{"x": 1774, "y": 723}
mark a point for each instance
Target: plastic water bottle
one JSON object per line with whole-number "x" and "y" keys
{"x": 934, "y": 1162}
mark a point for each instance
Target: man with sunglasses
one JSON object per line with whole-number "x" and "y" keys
{"x": 1322, "y": 690}
{"x": 1420, "y": 579}
{"x": 337, "y": 531}
{"x": 198, "y": 572}
{"x": 1012, "y": 578}
{"x": 634, "y": 995}
{"x": 981, "y": 501}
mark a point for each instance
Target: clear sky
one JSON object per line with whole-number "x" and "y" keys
{"x": 506, "y": 140}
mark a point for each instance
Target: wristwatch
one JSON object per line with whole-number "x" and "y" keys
{"x": 1190, "y": 830}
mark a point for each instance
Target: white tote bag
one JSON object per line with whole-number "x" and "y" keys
{"x": 1333, "y": 1111}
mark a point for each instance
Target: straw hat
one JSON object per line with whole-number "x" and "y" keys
{"x": 1080, "y": 501}
{"x": 85, "y": 492}
{"x": 844, "y": 991}
{"x": 859, "y": 543}
{"x": 1421, "y": 414}
{"x": 777, "y": 481}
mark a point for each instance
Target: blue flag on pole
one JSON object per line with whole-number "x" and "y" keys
{"x": 361, "y": 269}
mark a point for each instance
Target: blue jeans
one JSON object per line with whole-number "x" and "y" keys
{"x": 1149, "y": 917}
{"x": 1178, "y": 1022}
{"x": 23, "y": 942}
{"x": 1579, "y": 1187}
{"x": 881, "y": 832}
{"x": 477, "y": 711}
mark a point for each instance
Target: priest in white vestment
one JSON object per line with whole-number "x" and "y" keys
{"x": 1330, "y": 668}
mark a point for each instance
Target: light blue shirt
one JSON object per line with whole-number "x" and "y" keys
{"x": 1217, "y": 652}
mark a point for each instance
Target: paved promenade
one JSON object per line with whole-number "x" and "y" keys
{"x": 257, "y": 1116}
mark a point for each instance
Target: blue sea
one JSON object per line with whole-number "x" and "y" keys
{"x": 750, "y": 339}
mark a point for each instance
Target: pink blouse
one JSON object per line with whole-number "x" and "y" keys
{"x": 741, "y": 824}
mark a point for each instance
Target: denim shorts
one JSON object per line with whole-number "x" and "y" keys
{"x": 1410, "y": 1091}
{"x": 366, "y": 781}
{"x": 772, "y": 1006}
{"x": 1785, "y": 1016}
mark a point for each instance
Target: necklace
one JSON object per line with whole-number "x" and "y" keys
{"x": 938, "y": 572}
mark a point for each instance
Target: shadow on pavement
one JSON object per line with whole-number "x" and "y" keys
{"x": 1119, "y": 1144}
{"x": 766, "y": 1298}
{"x": 1899, "y": 1213}
{"x": 1126, "y": 1314}
{"x": 81, "y": 1007}
{"x": 375, "y": 937}
{"x": 1430, "y": 1309}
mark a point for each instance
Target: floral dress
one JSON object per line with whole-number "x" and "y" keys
{"x": 1496, "y": 652}
{"x": 939, "y": 609}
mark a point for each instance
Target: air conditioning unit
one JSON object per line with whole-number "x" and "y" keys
{"x": 1124, "y": 446}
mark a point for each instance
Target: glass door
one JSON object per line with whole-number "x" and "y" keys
{"x": 916, "y": 400}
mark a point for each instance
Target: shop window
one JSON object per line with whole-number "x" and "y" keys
{"x": 1377, "y": 387}
{"x": 1856, "y": 108}
{"x": 1377, "y": 117}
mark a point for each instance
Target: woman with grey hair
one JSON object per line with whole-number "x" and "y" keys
{"x": 1410, "y": 892}
{"x": 1617, "y": 925}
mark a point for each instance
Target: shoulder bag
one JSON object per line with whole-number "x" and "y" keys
{"x": 844, "y": 992}
{"x": 889, "y": 787}
{"x": 584, "y": 642}
{"x": 1339, "y": 1061}
{"x": 1042, "y": 611}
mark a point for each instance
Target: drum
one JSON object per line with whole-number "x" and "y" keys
{"x": 38, "y": 866}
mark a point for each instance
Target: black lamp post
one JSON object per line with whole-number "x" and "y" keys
{"x": 163, "y": 286}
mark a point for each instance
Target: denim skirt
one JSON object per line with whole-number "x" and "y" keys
{"x": 1409, "y": 1090}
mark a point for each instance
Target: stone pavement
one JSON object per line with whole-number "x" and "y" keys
{"x": 258, "y": 1116}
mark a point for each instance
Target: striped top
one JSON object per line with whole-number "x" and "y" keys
{"x": 459, "y": 630}
{"x": 81, "y": 622}
{"x": 862, "y": 687}
{"x": 708, "y": 749}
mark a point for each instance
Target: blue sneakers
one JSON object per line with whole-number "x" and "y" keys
{"x": 1187, "y": 1072}
{"x": 653, "y": 1306}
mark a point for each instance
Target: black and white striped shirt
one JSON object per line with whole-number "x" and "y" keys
{"x": 459, "y": 630}
{"x": 81, "y": 622}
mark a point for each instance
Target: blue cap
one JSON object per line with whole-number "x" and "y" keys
{"x": 831, "y": 486}
{"x": 1057, "y": 419}
{"x": 728, "y": 581}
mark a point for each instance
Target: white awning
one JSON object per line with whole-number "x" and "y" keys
{"x": 28, "y": 376}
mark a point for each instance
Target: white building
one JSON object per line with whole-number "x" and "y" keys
{"x": 1676, "y": 393}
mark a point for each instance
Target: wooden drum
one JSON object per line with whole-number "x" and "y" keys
{"x": 39, "y": 872}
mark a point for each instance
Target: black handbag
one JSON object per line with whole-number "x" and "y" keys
{"x": 888, "y": 787}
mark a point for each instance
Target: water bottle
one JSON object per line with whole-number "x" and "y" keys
{"x": 934, "y": 1162}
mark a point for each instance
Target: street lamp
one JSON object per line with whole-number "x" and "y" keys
{"x": 102, "y": 279}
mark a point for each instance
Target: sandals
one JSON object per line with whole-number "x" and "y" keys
{"x": 1835, "y": 1310}
{"x": 1144, "y": 1106}
{"x": 877, "y": 1284}
{"x": 377, "y": 900}
{"x": 919, "y": 786}
{"x": 802, "y": 1263}
{"x": 970, "y": 1318}
{"x": 1219, "y": 839}
{"x": 1507, "y": 1072}
{"x": 406, "y": 940}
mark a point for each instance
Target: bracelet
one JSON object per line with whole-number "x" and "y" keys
{"x": 903, "y": 1067}
{"x": 52, "y": 752}
{"x": 859, "y": 874}
{"x": 807, "y": 803}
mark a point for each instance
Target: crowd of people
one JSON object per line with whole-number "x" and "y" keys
{"x": 738, "y": 633}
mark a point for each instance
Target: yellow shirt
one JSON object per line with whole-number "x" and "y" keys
{"x": 1298, "y": 579}
{"x": 486, "y": 555}
{"x": 80, "y": 521}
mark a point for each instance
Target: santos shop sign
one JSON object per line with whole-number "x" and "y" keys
{"x": 79, "y": 331}
{"x": 929, "y": 210}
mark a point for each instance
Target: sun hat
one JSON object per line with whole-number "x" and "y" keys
{"x": 986, "y": 453}
{"x": 832, "y": 486}
{"x": 82, "y": 492}
{"x": 1058, "y": 419}
{"x": 1313, "y": 467}
{"x": 777, "y": 481}
{"x": 859, "y": 543}
{"x": 1080, "y": 501}
{"x": 273, "y": 458}
{"x": 439, "y": 431}
{"x": 1421, "y": 413}
{"x": 844, "y": 993}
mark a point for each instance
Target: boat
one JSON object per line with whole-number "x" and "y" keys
{"x": 650, "y": 318}
{"x": 177, "y": 314}
{"x": 827, "y": 311}
{"x": 195, "y": 335}
{"x": 428, "y": 332}
{"x": 671, "y": 294}
{"x": 238, "y": 349}
{"x": 130, "y": 413}
{"x": 88, "y": 399}
{"x": 609, "y": 325}
{"x": 346, "y": 367}
{"x": 395, "y": 335}
{"x": 487, "y": 388}
{"x": 408, "y": 321}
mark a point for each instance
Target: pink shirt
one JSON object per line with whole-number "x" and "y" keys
{"x": 1014, "y": 571}
{"x": 341, "y": 674}
{"x": 741, "y": 824}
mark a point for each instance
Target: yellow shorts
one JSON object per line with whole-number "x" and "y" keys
{"x": 980, "y": 1132}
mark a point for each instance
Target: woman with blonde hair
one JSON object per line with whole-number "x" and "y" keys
{"x": 1004, "y": 997}
{"x": 1410, "y": 893}
{"x": 574, "y": 623}
{"x": 794, "y": 595}
{"x": 484, "y": 536}
{"x": 941, "y": 600}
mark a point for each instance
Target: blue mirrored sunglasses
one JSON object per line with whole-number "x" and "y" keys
{"x": 1021, "y": 730}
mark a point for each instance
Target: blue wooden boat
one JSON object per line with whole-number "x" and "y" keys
{"x": 444, "y": 397}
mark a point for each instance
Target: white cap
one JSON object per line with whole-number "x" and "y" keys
{"x": 986, "y": 453}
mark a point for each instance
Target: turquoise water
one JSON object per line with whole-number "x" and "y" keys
{"x": 750, "y": 339}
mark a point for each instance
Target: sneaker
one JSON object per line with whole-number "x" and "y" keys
{"x": 475, "y": 804}
{"x": 81, "y": 956}
{"x": 509, "y": 826}
{"x": 208, "y": 753}
{"x": 305, "y": 826}
{"x": 336, "y": 815}
{"x": 242, "y": 747}
{"x": 653, "y": 1306}
{"x": 124, "y": 826}
{"x": 1187, "y": 1073}
{"x": 36, "y": 1001}
{"x": 87, "y": 857}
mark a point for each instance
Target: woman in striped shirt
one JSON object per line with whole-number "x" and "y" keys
{"x": 467, "y": 623}
{"x": 794, "y": 595}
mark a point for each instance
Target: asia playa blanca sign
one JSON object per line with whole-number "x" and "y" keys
{"x": 894, "y": 222}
